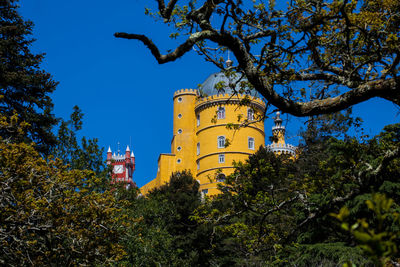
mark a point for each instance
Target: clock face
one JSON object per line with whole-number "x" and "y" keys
{"x": 118, "y": 169}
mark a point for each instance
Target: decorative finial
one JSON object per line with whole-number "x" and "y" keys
{"x": 229, "y": 61}
{"x": 278, "y": 120}
{"x": 118, "y": 148}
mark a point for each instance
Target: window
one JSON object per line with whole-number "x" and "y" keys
{"x": 179, "y": 99}
{"x": 221, "y": 141}
{"x": 198, "y": 119}
{"x": 250, "y": 114}
{"x": 221, "y": 113}
{"x": 179, "y": 115}
{"x": 251, "y": 142}
{"x": 198, "y": 148}
{"x": 179, "y": 161}
{"x": 179, "y": 131}
{"x": 221, "y": 178}
{"x": 179, "y": 148}
{"x": 198, "y": 165}
{"x": 204, "y": 192}
{"x": 221, "y": 158}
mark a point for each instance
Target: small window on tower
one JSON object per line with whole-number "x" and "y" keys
{"x": 198, "y": 148}
{"x": 221, "y": 158}
{"x": 179, "y": 115}
{"x": 179, "y": 99}
{"x": 250, "y": 114}
{"x": 198, "y": 119}
{"x": 251, "y": 143}
{"x": 221, "y": 113}
{"x": 179, "y": 161}
{"x": 179, "y": 148}
{"x": 198, "y": 165}
{"x": 179, "y": 131}
{"x": 221, "y": 141}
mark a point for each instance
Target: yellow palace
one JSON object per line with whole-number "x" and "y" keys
{"x": 200, "y": 134}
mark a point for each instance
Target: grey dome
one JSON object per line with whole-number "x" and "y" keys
{"x": 224, "y": 85}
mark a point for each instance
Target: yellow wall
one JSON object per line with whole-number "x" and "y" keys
{"x": 187, "y": 106}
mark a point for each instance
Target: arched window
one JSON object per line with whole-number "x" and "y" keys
{"x": 250, "y": 114}
{"x": 221, "y": 141}
{"x": 198, "y": 119}
{"x": 221, "y": 158}
{"x": 221, "y": 113}
{"x": 251, "y": 142}
{"x": 198, "y": 148}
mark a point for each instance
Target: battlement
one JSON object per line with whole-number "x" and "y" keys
{"x": 282, "y": 148}
{"x": 236, "y": 99}
{"x": 185, "y": 92}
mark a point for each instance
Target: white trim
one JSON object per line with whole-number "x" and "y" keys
{"x": 221, "y": 113}
{"x": 250, "y": 114}
{"x": 252, "y": 144}
{"x": 221, "y": 158}
{"x": 218, "y": 141}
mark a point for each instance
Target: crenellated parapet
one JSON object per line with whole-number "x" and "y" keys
{"x": 282, "y": 149}
{"x": 227, "y": 99}
{"x": 185, "y": 92}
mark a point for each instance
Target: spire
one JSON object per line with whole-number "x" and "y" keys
{"x": 278, "y": 130}
{"x": 109, "y": 149}
{"x": 229, "y": 62}
{"x": 278, "y": 120}
{"x": 132, "y": 155}
{"x": 127, "y": 148}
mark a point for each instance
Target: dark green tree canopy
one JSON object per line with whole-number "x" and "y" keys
{"x": 342, "y": 52}
{"x": 24, "y": 87}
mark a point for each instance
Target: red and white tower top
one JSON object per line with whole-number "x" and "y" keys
{"x": 123, "y": 166}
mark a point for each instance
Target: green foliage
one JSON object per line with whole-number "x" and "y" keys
{"x": 164, "y": 233}
{"x": 52, "y": 215}
{"x": 377, "y": 237}
{"x": 24, "y": 87}
{"x": 85, "y": 156}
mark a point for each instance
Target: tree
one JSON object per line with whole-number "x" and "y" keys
{"x": 277, "y": 211}
{"x": 85, "y": 156}
{"x": 24, "y": 87}
{"x": 345, "y": 52}
{"x": 164, "y": 233}
{"x": 53, "y": 216}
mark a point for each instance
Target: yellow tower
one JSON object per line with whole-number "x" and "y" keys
{"x": 201, "y": 136}
{"x": 214, "y": 155}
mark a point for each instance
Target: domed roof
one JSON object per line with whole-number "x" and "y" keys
{"x": 219, "y": 83}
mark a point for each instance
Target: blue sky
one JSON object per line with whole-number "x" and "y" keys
{"x": 125, "y": 94}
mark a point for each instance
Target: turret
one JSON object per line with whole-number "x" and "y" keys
{"x": 109, "y": 156}
{"x": 278, "y": 145}
{"x": 127, "y": 155}
{"x": 278, "y": 130}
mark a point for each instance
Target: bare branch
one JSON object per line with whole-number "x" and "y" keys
{"x": 177, "y": 53}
